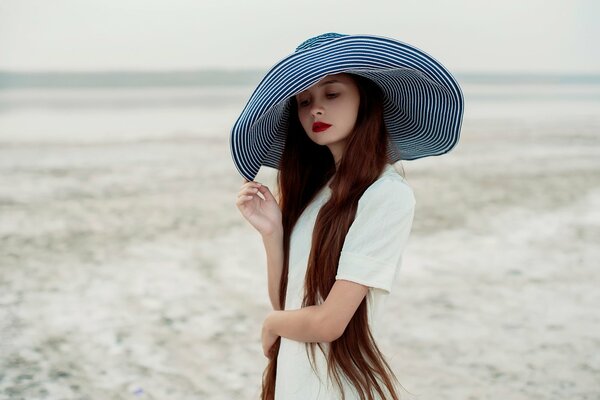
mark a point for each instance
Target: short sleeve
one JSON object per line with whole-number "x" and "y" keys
{"x": 373, "y": 247}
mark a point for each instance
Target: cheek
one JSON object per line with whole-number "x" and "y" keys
{"x": 304, "y": 120}
{"x": 350, "y": 110}
{"x": 302, "y": 113}
{"x": 355, "y": 110}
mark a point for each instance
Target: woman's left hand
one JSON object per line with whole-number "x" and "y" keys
{"x": 268, "y": 337}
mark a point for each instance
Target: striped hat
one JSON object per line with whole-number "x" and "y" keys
{"x": 423, "y": 103}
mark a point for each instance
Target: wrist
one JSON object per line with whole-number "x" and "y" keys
{"x": 275, "y": 234}
{"x": 268, "y": 324}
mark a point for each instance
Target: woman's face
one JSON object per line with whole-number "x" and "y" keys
{"x": 334, "y": 100}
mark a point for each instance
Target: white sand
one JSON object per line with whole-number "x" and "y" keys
{"x": 126, "y": 271}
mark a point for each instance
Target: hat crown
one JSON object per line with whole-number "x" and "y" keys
{"x": 319, "y": 40}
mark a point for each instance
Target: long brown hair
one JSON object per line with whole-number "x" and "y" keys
{"x": 304, "y": 169}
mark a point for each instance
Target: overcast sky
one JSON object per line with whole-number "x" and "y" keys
{"x": 465, "y": 35}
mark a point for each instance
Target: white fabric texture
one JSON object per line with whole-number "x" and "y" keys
{"x": 371, "y": 255}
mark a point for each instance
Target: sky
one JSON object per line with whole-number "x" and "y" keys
{"x": 517, "y": 36}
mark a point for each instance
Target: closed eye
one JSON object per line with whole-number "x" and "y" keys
{"x": 330, "y": 96}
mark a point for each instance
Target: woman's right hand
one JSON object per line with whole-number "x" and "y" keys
{"x": 264, "y": 215}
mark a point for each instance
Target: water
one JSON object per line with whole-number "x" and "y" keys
{"x": 156, "y": 108}
{"x": 90, "y": 115}
{"x": 531, "y": 100}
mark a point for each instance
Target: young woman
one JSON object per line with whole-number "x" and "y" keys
{"x": 332, "y": 118}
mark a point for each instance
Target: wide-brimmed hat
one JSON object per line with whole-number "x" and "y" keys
{"x": 423, "y": 103}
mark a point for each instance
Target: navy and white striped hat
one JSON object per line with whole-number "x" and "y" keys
{"x": 423, "y": 103}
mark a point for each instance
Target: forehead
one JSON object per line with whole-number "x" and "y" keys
{"x": 327, "y": 80}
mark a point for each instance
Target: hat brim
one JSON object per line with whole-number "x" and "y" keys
{"x": 423, "y": 103}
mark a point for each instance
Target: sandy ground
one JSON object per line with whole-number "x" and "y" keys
{"x": 127, "y": 272}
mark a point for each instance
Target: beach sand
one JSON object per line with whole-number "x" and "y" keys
{"x": 127, "y": 272}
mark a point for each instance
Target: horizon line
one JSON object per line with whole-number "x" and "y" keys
{"x": 257, "y": 69}
{"x": 241, "y": 77}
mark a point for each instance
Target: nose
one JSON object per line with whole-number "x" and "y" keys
{"x": 316, "y": 109}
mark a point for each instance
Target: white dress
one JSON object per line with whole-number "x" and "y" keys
{"x": 371, "y": 255}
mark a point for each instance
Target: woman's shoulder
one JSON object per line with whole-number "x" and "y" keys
{"x": 390, "y": 187}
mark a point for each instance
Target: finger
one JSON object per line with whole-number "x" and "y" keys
{"x": 248, "y": 192}
{"x": 251, "y": 189}
{"x": 250, "y": 184}
{"x": 242, "y": 200}
{"x": 266, "y": 192}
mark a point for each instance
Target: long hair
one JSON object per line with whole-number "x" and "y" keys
{"x": 304, "y": 169}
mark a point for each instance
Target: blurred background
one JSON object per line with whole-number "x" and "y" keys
{"x": 127, "y": 272}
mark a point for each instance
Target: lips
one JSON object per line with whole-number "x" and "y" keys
{"x": 320, "y": 126}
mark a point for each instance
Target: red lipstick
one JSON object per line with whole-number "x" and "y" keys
{"x": 320, "y": 126}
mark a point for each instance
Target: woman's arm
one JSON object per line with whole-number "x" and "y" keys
{"x": 322, "y": 323}
{"x": 265, "y": 216}
{"x": 274, "y": 248}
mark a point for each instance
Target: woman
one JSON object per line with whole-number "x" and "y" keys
{"x": 333, "y": 117}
